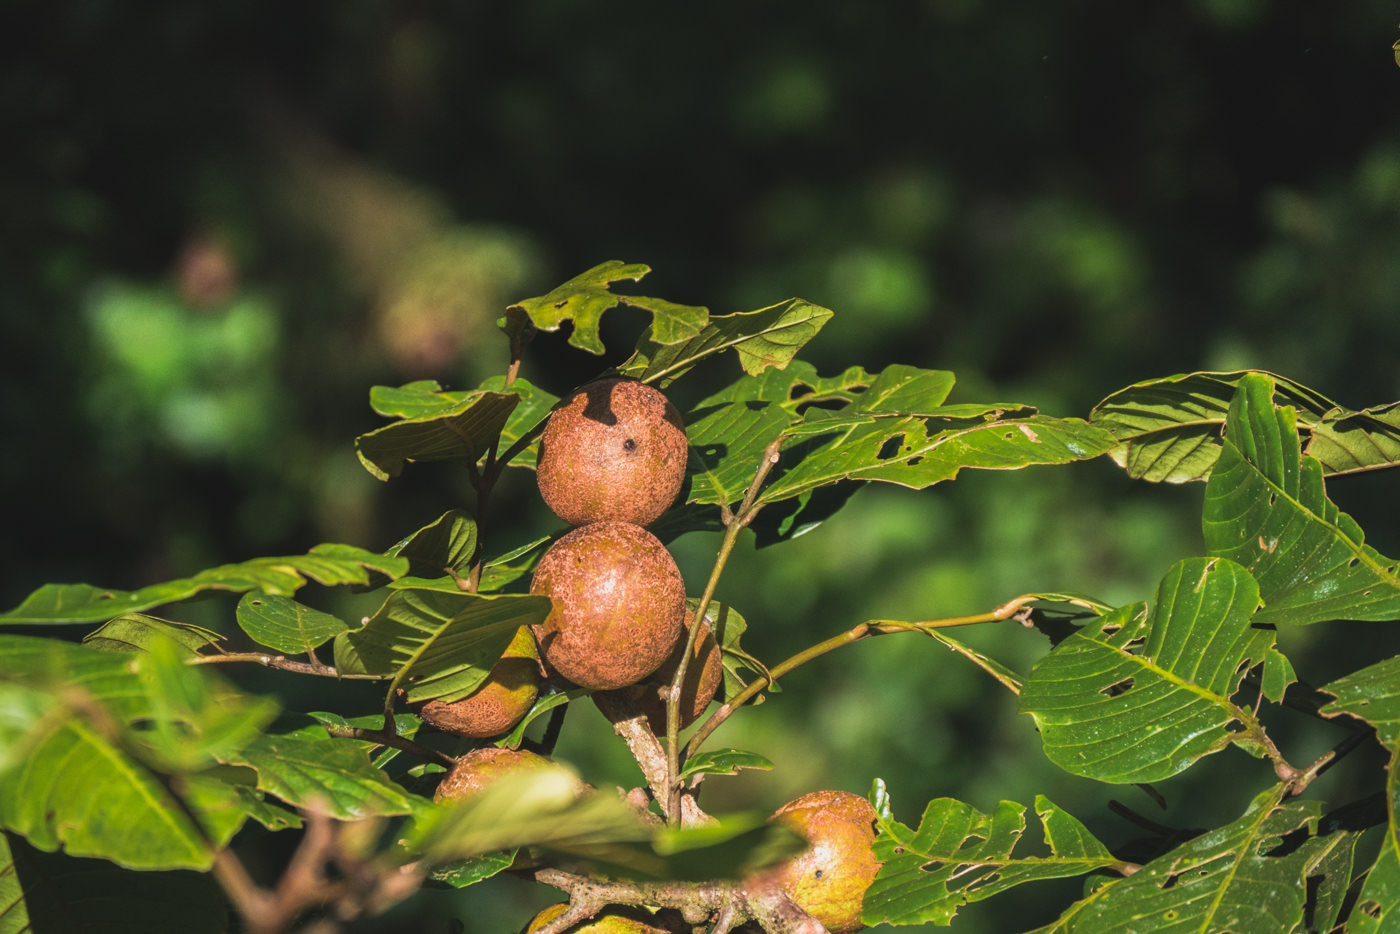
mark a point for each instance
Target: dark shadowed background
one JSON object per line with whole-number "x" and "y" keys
{"x": 223, "y": 222}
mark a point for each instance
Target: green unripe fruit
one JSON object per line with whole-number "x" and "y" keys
{"x": 828, "y": 880}
{"x": 614, "y": 450}
{"x": 619, "y": 602}
{"x": 500, "y": 702}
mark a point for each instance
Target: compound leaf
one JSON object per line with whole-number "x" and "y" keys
{"x": 1139, "y": 695}
{"x": 436, "y": 643}
{"x": 329, "y": 564}
{"x": 1266, "y": 508}
{"x": 959, "y": 855}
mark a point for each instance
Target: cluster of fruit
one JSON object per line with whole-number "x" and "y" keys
{"x": 612, "y": 459}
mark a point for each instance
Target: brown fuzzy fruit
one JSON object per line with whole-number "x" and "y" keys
{"x": 702, "y": 680}
{"x": 613, "y": 920}
{"x": 476, "y": 771}
{"x": 619, "y": 600}
{"x": 500, "y": 702}
{"x": 614, "y": 450}
{"x": 828, "y": 880}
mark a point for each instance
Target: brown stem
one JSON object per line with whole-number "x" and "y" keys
{"x": 282, "y": 663}
{"x": 387, "y": 738}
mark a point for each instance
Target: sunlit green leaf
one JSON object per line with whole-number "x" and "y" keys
{"x": 464, "y": 431}
{"x": 1350, "y": 442}
{"x": 282, "y": 624}
{"x": 1266, "y": 508}
{"x": 134, "y": 632}
{"x": 1139, "y": 695}
{"x": 460, "y": 873}
{"x": 724, "y": 762}
{"x": 959, "y": 855}
{"x": 424, "y": 398}
{"x": 439, "y": 644}
{"x": 534, "y": 407}
{"x": 584, "y": 298}
{"x": 331, "y": 565}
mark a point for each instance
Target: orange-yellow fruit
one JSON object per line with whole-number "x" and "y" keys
{"x": 614, "y": 450}
{"x": 613, "y": 920}
{"x": 702, "y": 680}
{"x": 477, "y": 770}
{"x": 502, "y": 700}
{"x": 828, "y": 880}
{"x": 619, "y": 602}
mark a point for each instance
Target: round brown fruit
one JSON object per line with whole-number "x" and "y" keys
{"x": 702, "y": 680}
{"x": 612, "y": 920}
{"x": 500, "y": 702}
{"x": 479, "y": 769}
{"x": 619, "y": 601}
{"x": 614, "y": 450}
{"x": 828, "y": 880}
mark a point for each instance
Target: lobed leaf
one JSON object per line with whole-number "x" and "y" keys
{"x": 436, "y": 643}
{"x": 331, "y": 565}
{"x": 465, "y": 430}
{"x": 583, "y": 300}
{"x": 1139, "y": 695}
{"x": 959, "y": 855}
{"x": 1266, "y": 508}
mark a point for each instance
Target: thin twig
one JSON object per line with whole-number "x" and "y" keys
{"x": 386, "y": 738}
{"x": 281, "y": 663}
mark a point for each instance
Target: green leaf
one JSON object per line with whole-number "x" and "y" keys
{"x": 763, "y": 339}
{"x": 135, "y": 632}
{"x": 284, "y": 625}
{"x": 423, "y": 398}
{"x": 461, "y": 873}
{"x": 535, "y": 406}
{"x": 46, "y": 892}
{"x": 437, "y": 644}
{"x": 959, "y": 855}
{"x": 1169, "y": 430}
{"x": 584, "y": 299}
{"x": 500, "y": 572}
{"x": 299, "y": 762}
{"x": 331, "y": 565}
{"x": 1137, "y": 696}
{"x": 543, "y": 705}
{"x": 75, "y": 774}
{"x": 1373, "y": 696}
{"x": 465, "y": 430}
{"x": 1350, "y": 442}
{"x": 1250, "y": 875}
{"x": 731, "y": 847}
{"x": 448, "y": 543}
{"x": 1266, "y": 508}
{"x": 724, "y": 762}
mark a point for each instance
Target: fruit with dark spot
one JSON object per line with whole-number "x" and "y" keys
{"x": 500, "y": 702}
{"x": 702, "y": 679}
{"x": 619, "y": 603}
{"x": 614, "y": 450}
{"x": 828, "y": 880}
{"x": 479, "y": 769}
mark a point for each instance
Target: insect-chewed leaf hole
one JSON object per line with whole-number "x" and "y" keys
{"x": 1118, "y": 688}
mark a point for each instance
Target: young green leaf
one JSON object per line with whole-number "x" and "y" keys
{"x": 465, "y": 430}
{"x": 959, "y": 855}
{"x": 1266, "y": 508}
{"x": 328, "y": 564}
{"x": 1139, "y": 695}
{"x": 584, "y": 299}
{"x": 723, "y": 762}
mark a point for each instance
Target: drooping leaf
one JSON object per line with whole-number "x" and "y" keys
{"x": 299, "y": 762}
{"x": 435, "y": 643}
{"x": 534, "y": 407}
{"x": 329, "y": 564}
{"x": 584, "y": 298}
{"x": 542, "y": 706}
{"x": 723, "y": 762}
{"x": 1266, "y": 508}
{"x": 1139, "y": 695}
{"x": 76, "y": 774}
{"x": 49, "y": 892}
{"x": 1373, "y": 695}
{"x": 283, "y": 624}
{"x": 1250, "y": 875}
{"x": 763, "y": 339}
{"x": 959, "y": 855}
{"x": 1169, "y": 430}
{"x": 134, "y": 632}
{"x": 465, "y": 431}
{"x": 502, "y": 571}
{"x": 1350, "y": 442}
{"x": 447, "y": 543}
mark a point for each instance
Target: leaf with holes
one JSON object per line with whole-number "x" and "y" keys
{"x": 437, "y": 644}
{"x": 958, "y": 855}
{"x": 763, "y": 339}
{"x": 1350, "y": 442}
{"x": 1266, "y": 508}
{"x": 464, "y": 430}
{"x": 284, "y": 625}
{"x": 1139, "y": 695}
{"x": 331, "y": 565}
{"x": 1253, "y": 874}
{"x": 583, "y": 300}
{"x": 1169, "y": 430}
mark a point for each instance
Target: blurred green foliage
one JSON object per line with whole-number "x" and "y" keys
{"x": 224, "y": 222}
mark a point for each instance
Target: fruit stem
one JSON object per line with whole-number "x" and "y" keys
{"x": 734, "y": 522}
